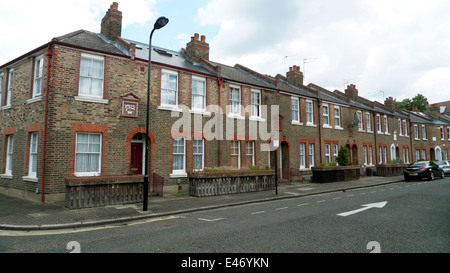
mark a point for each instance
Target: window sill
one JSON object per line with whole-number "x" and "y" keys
{"x": 170, "y": 108}
{"x": 235, "y": 116}
{"x": 36, "y": 99}
{"x": 178, "y": 175}
{"x": 257, "y": 119}
{"x": 5, "y": 107}
{"x": 7, "y": 176}
{"x": 296, "y": 123}
{"x": 338, "y": 128}
{"x": 327, "y": 126}
{"x": 30, "y": 178}
{"x": 311, "y": 124}
{"x": 91, "y": 99}
{"x": 200, "y": 112}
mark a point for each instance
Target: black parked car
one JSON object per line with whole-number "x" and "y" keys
{"x": 421, "y": 169}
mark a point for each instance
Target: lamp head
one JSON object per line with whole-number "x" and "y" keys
{"x": 161, "y": 22}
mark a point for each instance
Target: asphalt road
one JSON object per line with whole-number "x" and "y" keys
{"x": 414, "y": 219}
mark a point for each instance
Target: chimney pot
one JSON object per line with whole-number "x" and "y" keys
{"x": 290, "y": 68}
{"x": 196, "y": 35}
{"x": 203, "y": 37}
{"x": 115, "y": 6}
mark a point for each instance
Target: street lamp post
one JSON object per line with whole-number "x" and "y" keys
{"x": 160, "y": 22}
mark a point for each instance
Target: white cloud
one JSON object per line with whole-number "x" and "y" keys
{"x": 26, "y": 25}
{"x": 382, "y": 46}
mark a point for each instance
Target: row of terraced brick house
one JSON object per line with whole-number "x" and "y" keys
{"x": 76, "y": 107}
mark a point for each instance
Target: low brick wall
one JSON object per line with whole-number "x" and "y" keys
{"x": 390, "y": 169}
{"x": 335, "y": 174}
{"x": 87, "y": 192}
{"x": 220, "y": 183}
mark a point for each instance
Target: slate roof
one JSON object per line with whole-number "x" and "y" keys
{"x": 90, "y": 40}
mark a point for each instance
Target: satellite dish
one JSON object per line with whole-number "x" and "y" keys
{"x": 356, "y": 119}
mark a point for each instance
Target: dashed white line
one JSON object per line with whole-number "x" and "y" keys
{"x": 258, "y": 212}
{"x": 281, "y": 208}
{"x": 321, "y": 201}
{"x": 210, "y": 220}
{"x": 304, "y": 204}
{"x": 337, "y": 198}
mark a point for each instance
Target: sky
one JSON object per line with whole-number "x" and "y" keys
{"x": 387, "y": 48}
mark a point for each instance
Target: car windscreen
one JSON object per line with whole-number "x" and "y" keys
{"x": 440, "y": 163}
{"x": 419, "y": 164}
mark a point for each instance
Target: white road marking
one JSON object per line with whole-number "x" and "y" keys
{"x": 210, "y": 220}
{"x": 258, "y": 212}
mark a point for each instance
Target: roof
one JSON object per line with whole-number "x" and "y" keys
{"x": 90, "y": 40}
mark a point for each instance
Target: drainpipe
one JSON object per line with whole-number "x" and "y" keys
{"x": 319, "y": 103}
{"x": 48, "y": 53}
{"x": 219, "y": 83}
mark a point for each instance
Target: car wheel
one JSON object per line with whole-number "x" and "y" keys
{"x": 431, "y": 177}
{"x": 407, "y": 179}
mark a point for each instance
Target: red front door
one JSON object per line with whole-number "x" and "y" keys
{"x": 136, "y": 157}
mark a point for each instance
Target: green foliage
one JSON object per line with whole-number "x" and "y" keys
{"x": 343, "y": 158}
{"x": 418, "y": 101}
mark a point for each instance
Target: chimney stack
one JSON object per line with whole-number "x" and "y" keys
{"x": 351, "y": 92}
{"x": 111, "y": 26}
{"x": 295, "y": 76}
{"x": 390, "y": 103}
{"x": 197, "y": 48}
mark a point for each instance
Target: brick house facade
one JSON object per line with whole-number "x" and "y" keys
{"x": 76, "y": 106}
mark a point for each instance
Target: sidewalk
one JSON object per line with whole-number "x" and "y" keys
{"x": 26, "y": 215}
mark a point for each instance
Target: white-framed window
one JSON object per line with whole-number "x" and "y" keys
{"x": 337, "y": 116}
{"x": 9, "y": 154}
{"x": 405, "y": 126}
{"x": 91, "y": 76}
{"x": 88, "y": 154}
{"x": 400, "y": 132}
{"x": 302, "y": 155}
{"x": 178, "y": 155}
{"x": 236, "y": 154}
{"x": 198, "y": 93}
{"x": 378, "y": 123}
{"x": 365, "y": 154}
{"x": 416, "y": 131}
{"x": 255, "y": 100}
{"x": 198, "y": 151}
{"x": 385, "y": 154}
{"x": 250, "y": 152}
{"x": 407, "y": 155}
{"x": 295, "y": 109}
{"x": 37, "y": 83}
{"x": 32, "y": 164}
{"x": 327, "y": 153}
{"x": 386, "y": 124}
{"x": 360, "y": 123}
{"x": 326, "y": 115}
{"x": 448, "y": 132}
{"x": 442, "y": 132}
{"x": 417, "y": 155}
{"x": 335, "y": 152}
{"x": 311, "y": 154}
{"x": 424, "y": 132}
{"x": 424, "y": 154}
{"x": 370, "y": 155}
{"x": 368, "y": 124}
{"x": 10, "y": 87}
{"x": 169, "y": 88}
{"x": 235, "y": 100}
{"x": 380, "y": 154}
{"x": 309, "y": 112}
